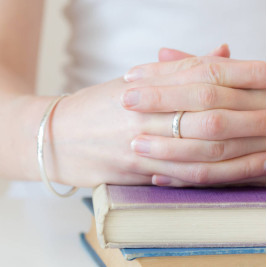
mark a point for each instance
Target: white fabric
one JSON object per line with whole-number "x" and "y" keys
{"x": 109, "y": 37}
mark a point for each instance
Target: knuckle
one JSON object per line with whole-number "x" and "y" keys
{"x": 214, "y": 124}
{"x": 258, "y": 70}
{"x": 200, "y": 175}
{"x": 206, "y": 96}
{"x": 194, "y": 61}
{"x": 214, "y": 73}
{"x": 188, "y": 63}
{"x": 216, "y": 150}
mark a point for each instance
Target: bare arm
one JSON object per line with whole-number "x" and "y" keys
{"x": 20, "y": 24}
{"x": 20, "y": 110}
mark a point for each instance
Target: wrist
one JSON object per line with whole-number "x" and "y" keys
{"x": 53, "y": 139}
{"x": 56, "y": 139}
{"x": 21, "y": 116}
{"x": 40, "y": 149}
{"x": 33, "y": 109}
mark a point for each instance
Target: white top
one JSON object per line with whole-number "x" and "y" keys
{"x": 109, "y": 37}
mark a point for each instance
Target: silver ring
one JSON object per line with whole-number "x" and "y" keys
{"x": 176, "y": 124}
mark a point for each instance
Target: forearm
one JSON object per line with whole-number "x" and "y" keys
{"x": 20, "y": 110}
{"x": 20, "y": 116}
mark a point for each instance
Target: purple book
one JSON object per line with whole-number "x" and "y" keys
{"x": 150, "y": 216}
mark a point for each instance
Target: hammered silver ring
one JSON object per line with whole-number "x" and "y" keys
{"x": 176, "y": 124}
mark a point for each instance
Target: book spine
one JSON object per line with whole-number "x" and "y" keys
{"x": 101, "y": 209}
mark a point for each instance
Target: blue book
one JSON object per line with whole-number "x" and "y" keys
{"x": 134, "y": 253}
{"x": 91, "y": 251}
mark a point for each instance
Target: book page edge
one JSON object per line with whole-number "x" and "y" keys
{"x": 101, "y": 208}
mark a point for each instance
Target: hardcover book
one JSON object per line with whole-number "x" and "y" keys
{"x": 157, "y": 217}
{"x": 171, "y": 257}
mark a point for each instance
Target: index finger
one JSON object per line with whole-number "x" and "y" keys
{"x": 242, "y": 74}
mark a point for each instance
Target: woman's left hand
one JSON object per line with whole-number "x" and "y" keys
{"x": 223, "y": 128}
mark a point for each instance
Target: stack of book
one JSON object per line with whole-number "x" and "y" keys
{"x": 160, "y": 226}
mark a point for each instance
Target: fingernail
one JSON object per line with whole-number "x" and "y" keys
{"x": 133, "y": 75}
{"x": 130, "y": 98}
{"x": 224, "y": 45}
{"x": 161, "y": 180}
{"x": 141, "y": 146}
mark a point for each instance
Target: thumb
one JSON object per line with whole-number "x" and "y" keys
{"x": 221, "y": 51}
{"x": 167, "y": 54}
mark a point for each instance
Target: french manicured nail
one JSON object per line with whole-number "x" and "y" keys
{"x": 130, "y": 98}
{"x": 161, "y": 180}
{"x": 141, "y": 146}
{"x": 133, "y": 75}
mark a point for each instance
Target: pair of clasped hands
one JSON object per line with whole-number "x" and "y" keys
{"x": 120, "y": 132}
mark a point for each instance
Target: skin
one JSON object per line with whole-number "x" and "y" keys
{"x": 228, "y": 118}
{"x": 88, "y": 138}
{"x": 76, "y": 152}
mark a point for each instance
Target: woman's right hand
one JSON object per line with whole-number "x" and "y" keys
{"x": 90, "y": 135}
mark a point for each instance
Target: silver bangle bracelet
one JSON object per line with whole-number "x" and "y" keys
{"x": 40, "y": 149}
